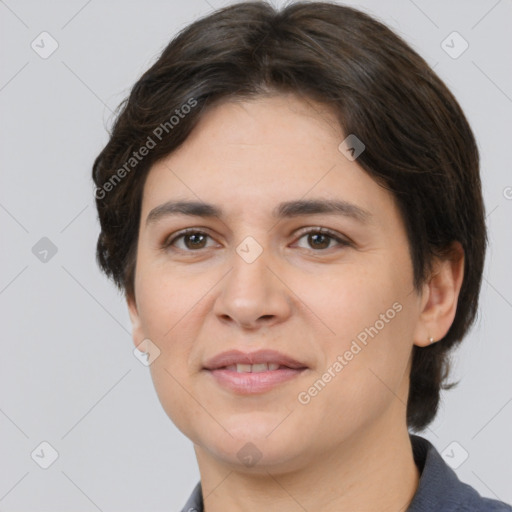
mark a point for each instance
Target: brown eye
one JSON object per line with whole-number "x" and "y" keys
{"x": 190, "y": 241}
{"x": 195, "y": 240}
{"x": 322, "y": 239}
{"x": 319, "y": 240}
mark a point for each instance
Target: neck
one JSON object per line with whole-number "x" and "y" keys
{"x": 374, "y": 471}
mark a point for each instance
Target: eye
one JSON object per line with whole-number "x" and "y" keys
{"x": 192, "y": 240}
{"x": 321, "y": 238}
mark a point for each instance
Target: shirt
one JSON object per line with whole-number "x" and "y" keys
{"x": 439, "y": 488}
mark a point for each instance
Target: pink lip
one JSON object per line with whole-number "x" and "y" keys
{"x": 257, "y": 382}
{"x": 260, "y": 356}
{"x": 252, "y": 383}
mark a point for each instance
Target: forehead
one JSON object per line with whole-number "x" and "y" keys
{"x": 268, "y": 121}
{"x": 253, "y": 154}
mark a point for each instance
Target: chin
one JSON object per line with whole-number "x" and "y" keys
{"x": 251, "y": 449}
{"x": 258, "y": 458}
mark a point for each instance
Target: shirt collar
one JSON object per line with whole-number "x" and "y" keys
{"x": 439, "y": 488}
{"x": 195, "y": 501}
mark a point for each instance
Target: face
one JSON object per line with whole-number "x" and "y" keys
{"x": 330, "y": 289}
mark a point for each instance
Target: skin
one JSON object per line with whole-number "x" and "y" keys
{"x": 348, "y": 448}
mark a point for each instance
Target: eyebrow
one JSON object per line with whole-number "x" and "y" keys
{"x": 287, "y": 209}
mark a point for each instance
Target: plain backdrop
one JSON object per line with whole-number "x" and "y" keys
{"x": 68, "y": 375}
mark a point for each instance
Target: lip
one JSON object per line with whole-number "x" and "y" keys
{"x": 260, "y": 356}
{"x": 253, "y": 383}
{"x": 257, "y": 382}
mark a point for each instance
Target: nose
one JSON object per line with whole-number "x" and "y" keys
{"x": 253, "y": 295}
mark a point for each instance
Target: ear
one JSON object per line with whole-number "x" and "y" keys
{"x": 439, "y": 297}
{"x": 137, "y": 333}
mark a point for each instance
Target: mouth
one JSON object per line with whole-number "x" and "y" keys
{"x": 253, "y": 373}
{"x": 254, "y": 368}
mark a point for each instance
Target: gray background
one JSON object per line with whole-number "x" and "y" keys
{"x": 68, "y": 375}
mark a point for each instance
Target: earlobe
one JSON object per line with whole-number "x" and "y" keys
{"x": 137, "y": 334}
{"x": 440, "y": 297}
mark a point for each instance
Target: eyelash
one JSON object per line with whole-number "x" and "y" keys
{"x": 168, "y": 242}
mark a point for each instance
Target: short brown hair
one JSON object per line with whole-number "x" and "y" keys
{"x": 419, "y": 144}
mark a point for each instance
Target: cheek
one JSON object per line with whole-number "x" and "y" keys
{"x": 175, "y": 399}
{"x": 360, "y": 380}
{"x": 350, "y": 298}
{"x": 165, "y": 299}
{"x": 370, "y": 315}
{"x": 167, "y": 314}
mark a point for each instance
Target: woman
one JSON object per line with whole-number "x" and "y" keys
{"x": 291, "y": 203}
